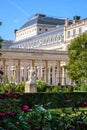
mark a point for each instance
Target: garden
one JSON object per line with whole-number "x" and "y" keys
{"x": 52, "y": 107}
{"x": 56, "y": 109}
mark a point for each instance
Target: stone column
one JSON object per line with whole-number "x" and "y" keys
{"x": 46, "y": 72}
{"x": 63, "y": 75}
{"x": 45, "y": 80}
{"x": 35, "y": 68}
{"x": 25, "y": 71}
{"x": 9, "y": 70}
{"x": 4, "y": 66}
{"x": 58, "y": 72}
{"x": 53, "y": 72}
{"x": 18, "y": 71}
{"x": 39, "y": 70}
{"x": 49, "y": 75}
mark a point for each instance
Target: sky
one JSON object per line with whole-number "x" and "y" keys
{"x": 15, "y": 13}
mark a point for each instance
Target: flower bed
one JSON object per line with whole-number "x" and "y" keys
{"x": 15, "y": 115}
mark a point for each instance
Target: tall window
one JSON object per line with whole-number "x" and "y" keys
{"x": 39, "y": 29}
{"x": 74, "y": 32}
{"x": 80, "y": 30}
{"x": 59, "y": 38}
{"x": 68, "y": 34}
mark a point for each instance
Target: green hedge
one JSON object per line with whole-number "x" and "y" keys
{"x": 54, "y": 100}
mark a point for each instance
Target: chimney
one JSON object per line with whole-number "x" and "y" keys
{"x": 68, "y": 22}
{"x": 76, "y": 19}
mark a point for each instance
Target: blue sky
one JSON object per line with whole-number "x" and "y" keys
{"x": 14, "y": 13}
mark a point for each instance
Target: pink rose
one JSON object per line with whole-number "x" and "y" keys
{"x": 25, "y": 108}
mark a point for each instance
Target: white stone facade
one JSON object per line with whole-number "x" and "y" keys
{"x": 43, "y": 47}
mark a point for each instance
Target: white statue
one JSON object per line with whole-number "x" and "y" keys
{"x": 30, "y": 85}
{"x": 32, "y": 76}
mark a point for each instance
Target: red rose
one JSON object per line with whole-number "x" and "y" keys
{"x": 30, "y": 121}
{"x": 10, "y": 113}
{"x": 1, "y": 96}
{"x": 9, "y": 94}
{"x": 20, "y": 94}
{"x": 2, "y": 114}
{"x": 25, "y": 108}
{"x": 84, "y": 104}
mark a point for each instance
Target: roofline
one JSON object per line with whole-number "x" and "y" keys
{"x": 38, "y": 51}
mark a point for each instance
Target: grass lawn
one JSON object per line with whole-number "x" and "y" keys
{"x": 69, "y": 111}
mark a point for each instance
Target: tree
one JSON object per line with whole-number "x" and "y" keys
{"x": 0, "y": 38}
{"x": 77, "y": 53}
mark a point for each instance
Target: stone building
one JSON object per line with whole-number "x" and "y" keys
{"x": 41, "y": 43}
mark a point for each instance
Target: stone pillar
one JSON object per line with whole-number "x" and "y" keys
{"x": 18, "y": 71}
{"x": 63, "y": 75}
{"x": 53, "y": 72}
{"x": 25, "y": 71}
{"x": 9, "y": 70}
{"x": 49, "y": 75}
{"x": 4, "y": 67}
{"x": 35, "y": 68}
{"x": 58, "y": 72}
{"x": 20, "y": 74}
{"x": 39, "y": 70}
{"x": 46, "y": 72}
{"x": 45, "y": 76}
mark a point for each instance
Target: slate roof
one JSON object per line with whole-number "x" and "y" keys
{"x": 57, "y": 30}
{"x": 6, "y": 43}
{"x": 43, "y": 19}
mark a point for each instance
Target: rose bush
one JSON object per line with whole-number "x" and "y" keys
{"x": 14, "y": 115}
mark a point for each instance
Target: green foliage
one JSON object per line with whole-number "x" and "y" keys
{"x": 54, "y": 99}
{"x": 0, "y": 45}
{"x": 0, "y": 40}
{"x": 0, "y": 37}
{"x": 15, "y": 115}
{"x": 5, "y": 80}
{"x": 8, "y": 87}
{"x": 56, "y": 88}
{"x": 41, "y": 86}
{"x": 77, "y": 66}
{"x": 0, "y": 23}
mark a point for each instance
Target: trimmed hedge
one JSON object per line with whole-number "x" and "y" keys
{"x": 54, "y": 100}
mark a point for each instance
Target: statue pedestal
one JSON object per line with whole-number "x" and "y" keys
{"x": 30, "y": 88}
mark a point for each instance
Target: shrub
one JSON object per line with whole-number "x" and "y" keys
{"x": 16, "y": 88}
{"x": 41, "y": 86}
{"x": 15, "y": 115}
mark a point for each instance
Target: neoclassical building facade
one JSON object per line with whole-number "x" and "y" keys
{"x": 41, "y": 43}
